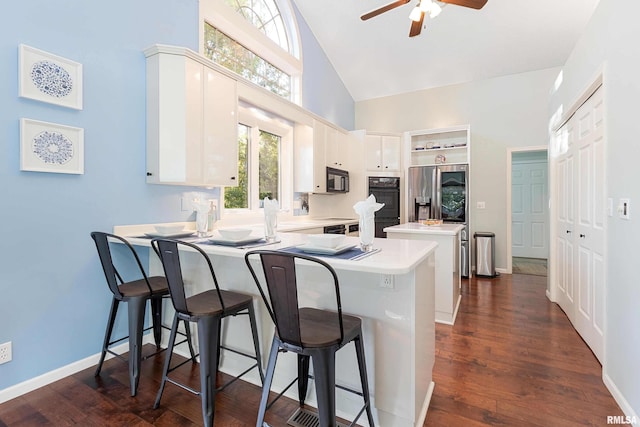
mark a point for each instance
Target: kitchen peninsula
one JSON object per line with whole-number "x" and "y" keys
{"x": 447, "y": 262}
{"x": 398, "y": 317}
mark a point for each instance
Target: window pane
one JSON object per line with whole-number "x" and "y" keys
{"x": 269, "y": 172}
{"x": 238, "y": 197}
{"x": 225, "y": 51}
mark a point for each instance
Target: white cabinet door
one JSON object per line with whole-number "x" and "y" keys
{"x": 319, "y": 157}
{"x": 391, "y": 153}
{"x": 382, "y": 153}
{"x": 373, "y": 152}
{"x": 191, "y": 123}
{"x": 337, "y": 155}
{"x": 220, "y": 139}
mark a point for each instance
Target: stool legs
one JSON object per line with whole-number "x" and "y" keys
{"x": 136, "y": 307}
{"x": 362, "y": 367}
{"x": 324, "y": 373}
{"x": 256, "y": 342}
{"x": 208, "y": 329}
{"x": 268, "y": 379}
{"x": 167, "y": 360}
{"x": 107, "y": 334}
{"x": 303, "y": 377}
{"x": 156, "y": 317}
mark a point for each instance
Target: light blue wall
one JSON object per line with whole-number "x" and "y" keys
{"x": 323, "y": 92}
{"x": 53, "y": 299}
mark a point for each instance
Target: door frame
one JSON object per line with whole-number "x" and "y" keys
{"x": 510, "y": 152}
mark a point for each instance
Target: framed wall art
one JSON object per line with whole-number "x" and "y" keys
{"x": 50, "y": 147}
{"x": 49, "y": 78}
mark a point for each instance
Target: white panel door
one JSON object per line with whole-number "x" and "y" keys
{"x": 590, "y": 224}
{"x": 580, "y": 222}
{"x": 529, "y": 209}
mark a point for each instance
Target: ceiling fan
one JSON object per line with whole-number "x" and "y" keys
{"x": 418, "y": 13}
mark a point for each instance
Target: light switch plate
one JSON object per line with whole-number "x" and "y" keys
{"x": 480, "y": 205}
{"x": 624, "y": 208}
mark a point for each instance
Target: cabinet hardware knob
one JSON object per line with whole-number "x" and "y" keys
{"x": 583, "y": 235}
{"x": 568, "y": 231}
{"x": 149, "y": 174}
{"x": 233, "y": 178}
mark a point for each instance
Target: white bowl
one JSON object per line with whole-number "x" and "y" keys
{"x": 326, "y": 240}
{"x": 169, "y": 229}
{"x": 235, "y": 233}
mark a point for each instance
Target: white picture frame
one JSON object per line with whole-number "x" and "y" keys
{"x": 49, "y": 78}
{"x": 51, "y": 147}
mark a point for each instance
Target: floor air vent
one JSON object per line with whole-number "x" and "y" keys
{"x": 305, "y": 418}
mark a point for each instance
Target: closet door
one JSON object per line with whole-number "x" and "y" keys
{"x": 565, "y": 219}
{"x": 580, "y": 222}
{"x": 590, "y": 225}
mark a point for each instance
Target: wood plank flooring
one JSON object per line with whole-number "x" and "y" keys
{"x": 512, "y": 359}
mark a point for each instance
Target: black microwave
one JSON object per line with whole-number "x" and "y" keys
{"x": 337, "y": 180}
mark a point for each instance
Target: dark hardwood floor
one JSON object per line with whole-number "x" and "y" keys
{"x": 512, "y": 359}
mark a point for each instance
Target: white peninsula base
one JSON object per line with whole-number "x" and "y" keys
{"x": 398, "y": 322}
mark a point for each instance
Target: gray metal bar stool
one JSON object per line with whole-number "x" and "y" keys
{"x": 135, "y": 293}
{"x": 311, "y": 333}
{"x": 206, "y": 309}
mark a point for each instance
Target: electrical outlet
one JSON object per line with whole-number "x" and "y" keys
{"x": 5, "y": 352}
{"x": 386, "y": 281}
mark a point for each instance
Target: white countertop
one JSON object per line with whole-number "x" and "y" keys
{"x": 417, "y": 228}
{"x": 396, "y": 256}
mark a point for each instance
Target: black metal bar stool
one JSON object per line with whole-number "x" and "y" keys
{"x": 135, "y": 293}
{"x": 310, "y": 332}
{"x": 206, "y": 309}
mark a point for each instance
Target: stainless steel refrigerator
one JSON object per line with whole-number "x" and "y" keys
{"x": 442, "y": 192}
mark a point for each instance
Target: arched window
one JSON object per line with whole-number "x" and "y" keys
{"x": 257, "y": 39}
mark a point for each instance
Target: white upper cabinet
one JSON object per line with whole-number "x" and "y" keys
{"x": 382, "y": 153}
{"x": 191, "y": 121}
{"x": 336, "y": 149}
{"x": 309, "y": 159}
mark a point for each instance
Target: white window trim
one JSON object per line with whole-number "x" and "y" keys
{"x": 258, "y": 120}
{"x": 220, "y": 15}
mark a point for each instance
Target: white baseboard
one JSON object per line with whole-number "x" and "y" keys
{"x": 425, "y": 405}
{"x": 65, "y": 371}
{"x": 618, "y": 397}
{"x": 501, "y": 270}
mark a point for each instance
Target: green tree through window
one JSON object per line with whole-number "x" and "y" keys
{"x": 238, "y": 197}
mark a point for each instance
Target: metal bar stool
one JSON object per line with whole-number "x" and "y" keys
{"x": 206, "y": 309}
{"x": 135, "y": 293}
{"x": 311, "y": 333}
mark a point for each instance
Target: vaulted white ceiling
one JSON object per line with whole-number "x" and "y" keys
{"x": 376, "y": 58}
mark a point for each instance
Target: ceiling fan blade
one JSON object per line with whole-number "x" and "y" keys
{"x": 383, "y": 9}
{"x": 416, "y": 26}
{"x": 474, "y": 4}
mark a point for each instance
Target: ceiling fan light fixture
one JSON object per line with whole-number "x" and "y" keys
{"x": 425, "y": 5}
{"x": 415, "y": 14}
{"x": 434, "y": 10}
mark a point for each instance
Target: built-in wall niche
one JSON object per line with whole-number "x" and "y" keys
{"x": 439, "y": 146}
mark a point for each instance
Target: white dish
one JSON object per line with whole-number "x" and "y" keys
{"x": 169, "y": 229}
{"x": 170, "y": 235}
{"x": 326, "y": 240}
{"x": 325, "y": 251}
{"x": 234, "y": 233}
{"x": 234, "y": 242}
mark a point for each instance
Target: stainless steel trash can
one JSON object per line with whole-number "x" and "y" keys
{"x": 485, "y": 254}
